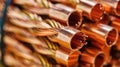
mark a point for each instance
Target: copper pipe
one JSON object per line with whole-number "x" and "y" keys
{"x": 62, "y": 55}
{"x": 93, "y": 11}
{"x": 66, "y": 15}
{"x": 68, "y": 36}
{"x": 111, "y": 6}
{"x": 57, "y": 54}
{"x": 107, "y": 51}
{"x": 71, "y": 3}
{"x": 103, "y": 34}
{"x": 115, "y": 22}
{"x": 67, "y": 57}
{"x": 92, "y": 57}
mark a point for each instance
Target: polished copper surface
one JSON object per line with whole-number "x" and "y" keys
{"x": 68, "y": 36}
{"x": 92, "y": 56}
{"x": 93, "y": 11}
{"x": 111, "y": 6}
{"x": 61, "y": 33}
{"x": 101, "y": 33}
{"x": 66, "y": 15}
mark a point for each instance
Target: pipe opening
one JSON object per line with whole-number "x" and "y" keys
{"x": 118, "y": 8}
{"x": 75, "y": 19}
{"x": 78, "y": 40}
{"x": 112, "y": 37}
{"x": 99, "y": 60}
{"x": 97, "y": 12}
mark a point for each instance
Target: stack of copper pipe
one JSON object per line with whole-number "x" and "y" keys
{"x": 68, "y": 33}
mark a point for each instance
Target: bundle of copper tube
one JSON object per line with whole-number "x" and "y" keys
{"x": 62, "y": 33}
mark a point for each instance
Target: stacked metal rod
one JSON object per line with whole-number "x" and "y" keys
{"x": 68, "y": 33}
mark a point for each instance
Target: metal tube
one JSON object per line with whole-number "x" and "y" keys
{"x": 103, "y": 34}
{"x": 92, "y": 57}
{"x": 115, "y": 22}
{"x": 91, "y": 9}
{"x": 111, "y": 6}
{"x": 66, "y": 15}
{"x": 68, "y": 36}
{"x": 71, "y": 3}
{"x": 67, "y": 57}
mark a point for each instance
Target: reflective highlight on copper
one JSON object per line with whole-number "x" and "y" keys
{"x": 115, "y": 22}
{"x": 67, "y": 57}
{"x": 101, "y": 33}
{"x": 111, "y": 6}
{"x": 66, "y": 15}
{"x": 93, "y": 11}
{"x": 68, "y": 36}
{"x": 93, "y": 57}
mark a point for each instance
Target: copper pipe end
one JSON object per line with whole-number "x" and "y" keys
{"x": 112, "y": 37}
{"x": 97, "y": 12}
{"x": 78, "y": 38}
{"x": 74, "y": 19}
{"x": 93, "y": 11}
{"x": 99, "y": 60}
{"x": 103, "y": 34}
{"x": 67, "y": 57}
{"x": 70, "y": 38}
{"x": 93, "y": 57}
{"x": 66, "y": 15}
{"x": 111, "y": 6}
